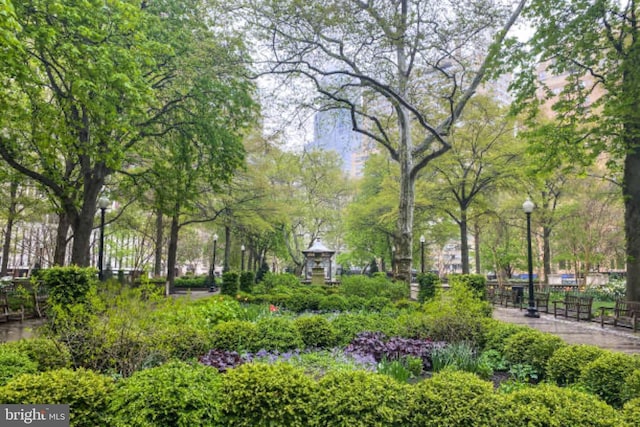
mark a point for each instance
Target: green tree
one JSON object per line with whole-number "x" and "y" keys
{"x": 484, "y": 157}
{"x": 596, "y": 46}
{"x": 404, "y": 70}
{"x": 88, "y": 86}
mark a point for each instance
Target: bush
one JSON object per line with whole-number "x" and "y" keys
{"x": 333, "y": 303}
{"x": 287, "y": 280}
{"x": 452, "y": 329}
{"x": 531, "y": 347}
{"x": 229, "y": 283}
{"x": 453, "y": 398}
{"x": 234, "y": 335}
{"x": 47, "y": 353}
{"x": 348, "y": 325}
{"x": 566, "y": 364}
{"x": 377, "y": 303}
{"x": 460, "y": 357}
{"x": 257, "y": 394}
{"x": 359, "y": 399}
{"x": 428, "y": 284}
{"x": 86, "y": 392}
{"x": 369, "y": 287}
{"x": 550, "y": 405}
{"x": 247, "y": 279}
{"x": 631, "y": 387}
{"x": 14, "y": 362}
{"x": 174, "y": 394}
{"x": 316, "y": 331}
{"x": 277, "y": 333}
{"x": 191, "y": 282}
{"x": 605, "y": 376}
{"x": 631, "y": 412}
{"x": 304, "y": 300}
{"x": 476, "y": 282}
{"x": 68, "y": 285}
{"x": 496, "y": 332}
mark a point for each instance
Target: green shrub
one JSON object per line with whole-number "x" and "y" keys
{"x": 377, "y": 303}
{"x": 210, "y": 311}
{"x": 376, "y": 286}
{"x": 333, "y": 303}
{"x": 174, "y": 394}
{"x": 347, "y": 325}
{"x": 453, "y": 398}
{"x": 304, "y": 300}
{"x": 452, "y": 328}
{"x": 631, "y": 412}
{"x": 257, "y": 394}
{"x": 631, "y": 387}
{"x": 359, "y": 399}
{"x": 496, "y": 332}
{"x": 550, "y": 405}
{"x": 414, "y": 325}
{"x": 14, "y": 362}
{"x": 565, "y": 365}
{"x": 68, "y": 285}
{"x": 247, "y": 279}
{"x": 476, "y": 282}
{"x": 605, "y": 376}
{"x": 86, "y": 392}
{"x": 47, "y": 353}
{"x": 277, "y": 333}
{"x": 428, "y": 284}
{"x": 234, "y": 335}
{"x": 287, "y": 280}
{"x": 191, "y": 282}
{"x": 316, "y": 331}
{"x": 176, "y": 341}
{"x": 531, "y": 347}
{"x": 230, "y": 281}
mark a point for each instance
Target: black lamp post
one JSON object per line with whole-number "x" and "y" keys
{"x": 527, "y": 207}
{"x": 422, "y": 240}
{"x": 212, "y": 270}
{"x": 242, "y": 248}
{"x": 103, "y": 203}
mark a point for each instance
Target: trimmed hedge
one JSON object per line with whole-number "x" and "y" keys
{"x": 360, "y": 399}
{"x": 605, "y": 376}
{"x": 531, "y": 347}
{"x": 565, "y": 366}
{"x": 13, "y": 363}
{"x": 86, "y": 392}
{"x": 174, "y": 394}
{"x": 550, "y": 405}
{"x": 258, "y": 394}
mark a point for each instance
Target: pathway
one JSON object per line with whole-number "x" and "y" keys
{"x": 572, "y": 332}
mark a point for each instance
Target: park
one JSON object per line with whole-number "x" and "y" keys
{"x": 329, "y": 213}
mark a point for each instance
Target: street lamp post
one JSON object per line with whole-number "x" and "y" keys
{"x": 242, "y": 249}
{"x": 527, "y": 207}
{"x": 103, "y": 203}
{"x": 422, "y": 240}
{"x": 212, "y": 270}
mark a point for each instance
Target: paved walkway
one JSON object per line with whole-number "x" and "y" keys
{"x": 573, "y": 332}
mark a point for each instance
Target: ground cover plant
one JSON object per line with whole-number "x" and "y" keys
{"x": 130, "y": 347}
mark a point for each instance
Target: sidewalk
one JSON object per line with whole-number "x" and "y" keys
{"x": 573, "y": 332}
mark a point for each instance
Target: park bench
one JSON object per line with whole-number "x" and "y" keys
{"x": 578, "y": 307}
{"x": 625, "y": 313}
{"x": 506, "y": 296}
{"x": 541, "y": 300}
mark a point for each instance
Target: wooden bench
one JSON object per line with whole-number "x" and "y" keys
{"x": 506, "y": 296}
{"x": 578, "y": 307}
{"x": 541, "y": 300}
{"x": 625, "y": 313}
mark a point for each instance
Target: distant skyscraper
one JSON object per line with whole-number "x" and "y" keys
{"x": 333, "y": 130}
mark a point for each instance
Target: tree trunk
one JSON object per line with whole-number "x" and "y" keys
{"x": 464, "y": 242}
{"x": 172, "y": 253}
{"x": 227, "y": 248}
{"x": 60, "y": 251}
{"x": 546, "y": 253}
{"x": 157, "y": 267}
{"x": 404, "y": 233}
{"x": 476, "y": 243}
{"x": 12, "y": 214}
{"x": 631, "y": 193}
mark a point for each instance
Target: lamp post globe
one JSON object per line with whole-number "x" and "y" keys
{"x": 242, "y": 249}
{"x": 528, "y": 207}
